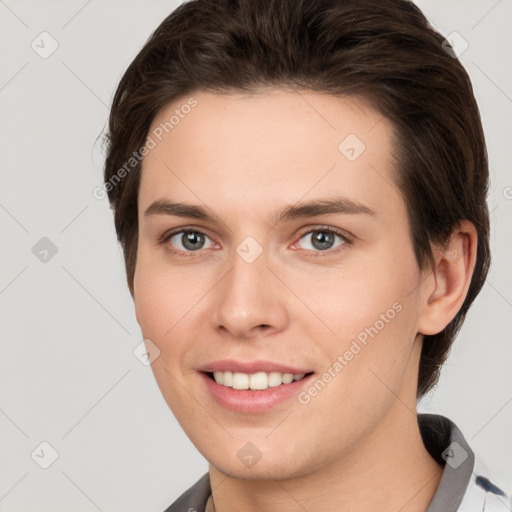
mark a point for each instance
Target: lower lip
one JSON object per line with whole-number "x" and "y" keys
{"x": 252, "y": 401}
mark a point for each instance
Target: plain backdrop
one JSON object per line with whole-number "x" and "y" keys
{"x": 68, "y": 375}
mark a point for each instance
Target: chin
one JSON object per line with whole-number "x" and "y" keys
{"x": 274, "y": 468}
{"x": 261, "y": 472}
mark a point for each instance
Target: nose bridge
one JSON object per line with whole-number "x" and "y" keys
{"x": 248, "y": 296}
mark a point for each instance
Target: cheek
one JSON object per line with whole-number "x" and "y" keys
{"x": 362, "y": 375}
{"x": 372, "y": 318}
{"x": 161, "y": 303}
{"x": 363, "y": 302}
{"x": 162, "y": 298}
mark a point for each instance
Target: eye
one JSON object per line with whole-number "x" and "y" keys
{"x": 187, "y": 240}
{"x": 323, "y": 239}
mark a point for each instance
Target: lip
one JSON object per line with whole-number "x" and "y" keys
{"x": 249, "y": 401}
{"x": 230, "y": 365}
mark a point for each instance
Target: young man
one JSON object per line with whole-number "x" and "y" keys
{"x": 300, "y": 192}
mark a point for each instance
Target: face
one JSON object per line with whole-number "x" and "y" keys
{"x": 288, "y": 257}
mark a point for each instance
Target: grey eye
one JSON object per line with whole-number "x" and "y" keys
{"x": 322, "y": 239}
{"x": 189, "y": 240}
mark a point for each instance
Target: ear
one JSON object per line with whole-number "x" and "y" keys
{"x": 445, "y": 287}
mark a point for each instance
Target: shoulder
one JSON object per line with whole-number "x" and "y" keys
{"x": 466, "y": 484}
{"x": 486, "y": 492}
{"x": 193, "y": 499}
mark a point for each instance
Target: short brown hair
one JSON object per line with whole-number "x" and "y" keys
{"x": 385, "y": 52}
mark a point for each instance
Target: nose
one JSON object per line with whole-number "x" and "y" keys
{"x": 249, "y": 301}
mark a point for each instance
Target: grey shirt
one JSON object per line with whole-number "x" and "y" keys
{"x": 464, "y": 485}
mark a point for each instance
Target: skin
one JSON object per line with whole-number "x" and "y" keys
{"x": 356, "y": 445}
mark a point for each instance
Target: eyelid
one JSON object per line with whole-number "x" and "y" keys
{"x": 167, "y": 235}
{"x": 347, "y": 238}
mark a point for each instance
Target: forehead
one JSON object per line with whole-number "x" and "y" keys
{"x": 273, "y": 147}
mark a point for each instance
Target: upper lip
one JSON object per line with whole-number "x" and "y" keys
{"x": 230, "y": 365}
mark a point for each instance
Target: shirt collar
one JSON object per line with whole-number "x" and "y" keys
{"x": 446, "y": 444}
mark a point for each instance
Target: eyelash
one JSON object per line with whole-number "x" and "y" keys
{"x": 347, "y": 240}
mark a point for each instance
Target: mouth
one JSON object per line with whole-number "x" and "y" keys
{"x": 254, "y": 393}
{"x": 258, "y": 381}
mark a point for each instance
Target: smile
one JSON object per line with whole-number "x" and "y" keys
{"x": 255, "y": 393}
{"x": 254, "y": 381}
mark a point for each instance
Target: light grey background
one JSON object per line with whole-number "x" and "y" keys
{"x": 67, "y": 369}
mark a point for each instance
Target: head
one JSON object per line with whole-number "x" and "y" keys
{"x": 249, "y": 108}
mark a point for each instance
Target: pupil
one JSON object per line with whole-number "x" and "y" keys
{"x": 322, "y": 240}
{"x": 189, "y": 239}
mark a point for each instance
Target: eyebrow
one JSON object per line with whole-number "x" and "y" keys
{"x": 336, "y": 205}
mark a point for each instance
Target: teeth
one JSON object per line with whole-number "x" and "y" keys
{"x": 227, "y": 379}
{"x": 240, "y": 381}
{"x": 258, "y": 381}
{"x": 275, "y": 379}
{"x": 287, "y": 378}
{"x": 255, "y": 381}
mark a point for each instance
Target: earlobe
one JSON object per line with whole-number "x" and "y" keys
{"x": 447, "y": 286}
